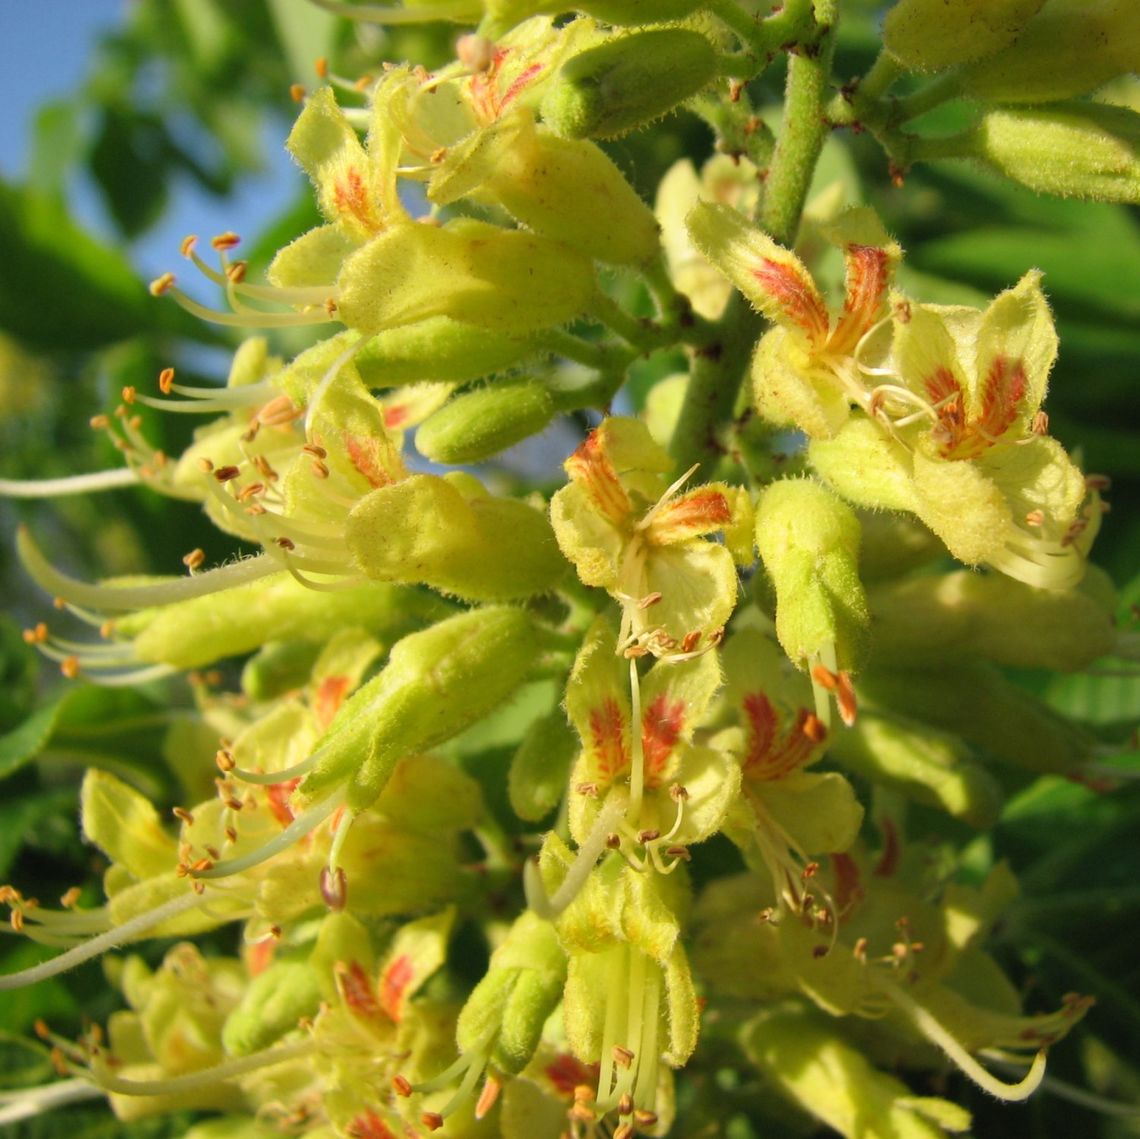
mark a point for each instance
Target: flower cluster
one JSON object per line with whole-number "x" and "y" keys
{"x": 534, "y": 793}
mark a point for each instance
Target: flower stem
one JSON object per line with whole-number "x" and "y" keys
{"x": 802, "y": 132}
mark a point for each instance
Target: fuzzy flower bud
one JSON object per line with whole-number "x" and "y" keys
{"x": 809, "y": 543}
{"x": 481, "y": 423}
{"x": 436, "y": 683}
{"x": 930, "y": 35}
{"x": 611, "y": 90}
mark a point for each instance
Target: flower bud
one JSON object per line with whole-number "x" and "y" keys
{"x": 610, "y": 90}
{"x": 564, "y": 188}
{"x": 495, "y": 279}
{"x": 201, "y": 630}
{"x": 541, "y": 766}
{"x": 931, "y": 35}
{"x": 439, "y": 348}
{"x": 925, "y": 765}
{"x": 966, "y": 614}
{"x": 478, "y": 424}
{"x": 809, "y": 543}
{"x": 800, "y": 1052}
{"x": 1077, "y": 150}
{"x": 437, "y": 683}
{"x": 509, "y": 1006}
{"x": 450, "y": 534}
{"x": 1069, "y": 48}
{"x": 979, "y": 704}
{"x": 271, "y": 1006}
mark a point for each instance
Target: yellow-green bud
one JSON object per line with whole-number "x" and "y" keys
{"x": 610, "y": 90}
{"x": 1075, "y": 150}
{"x": 439, "y": 348}
{"x": 278, "y": 667}
{"x": 931, "y": 35}
{"x": 481, "y": 423}
{"x": 437, "y": 683}
{"x": 541, "y": 766}
{"x": 271, "y": 1006}
{"x": 523, "y": 984}
{"x": 979, "y": 703}
{"x": 809, "y": 542}
{"x": 928, "y": 766}
{"x": 1069, "y": 48}
{"x": 449, "y": 533}
{"x": 965, "y": 614}
{"x": 495, "y": 279}
{"x": 201, "y": 630}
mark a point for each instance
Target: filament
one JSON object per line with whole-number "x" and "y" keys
{"x": 72, "y": 484}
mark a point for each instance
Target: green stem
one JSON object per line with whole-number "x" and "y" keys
{"x": 802, "y": 134}
{"x": 934, "y": 94}
{"x": 719, "y": 367}
{"x": 879, "y": 78}
{"x": 710, "y": 400}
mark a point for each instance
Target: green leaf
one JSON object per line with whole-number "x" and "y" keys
{"x": 129, "y": 160}
{"x": 61, "y": 288}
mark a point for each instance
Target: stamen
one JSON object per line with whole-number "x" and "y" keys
{"x": 109, "y": 939}
{"x": 302, "y": 825}
{"x": 124, "y": 597}
{"x": 550, "y": 907}
{"x": 71, "y": 484}
{"x": 934, "y": 1031}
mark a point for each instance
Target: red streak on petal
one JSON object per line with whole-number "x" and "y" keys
{"x": 1003, "y": 391}
{"x": 796, "y": 296}
{"x": 330, "y": 695}
{"x": 661, "y": 728}
{"x": 607, "y": 739}
{"x": 259, "y": 956}
{"x": 892, "y": 849}
{"x": 519, "y": 85}
{"x": 590, "y": 466}
{"x": 393, "y": 983}
{"x": 395, "y": 414}
{"x": 699, "y": 512}
{"x": 566, "y": 1073}
{"x": 867, "y": 279}
{"x": 369, "y": 1125}
{"x": 773, "y": 753}
{"x": 848, "y": 889}
{"x": 356, "y": 989}
{"x": 351, "y": 196}
{"x": 277, "y": 795}
{"x": 373, "y": 457}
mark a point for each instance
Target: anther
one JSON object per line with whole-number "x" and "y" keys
{"x": 100, "y": 422}
{"x": 1035, "y": 518}
{"x": 625, "y": 1104}
{"x": 649, "y": 599}
{"x": 183, "y": 815}
{"x": 678, "y": 793}
{"x": 189, "y": 244}
{"x": 205, "y": 466}
{"x": 814, "y": 728}
{"x": 128, "y": 393}
{"x": 819, "y": 951}
{"x": 1039, "y": 424}
{"x": 320, "y": 469}
{"x": 224, "y": 241}
{"x": 227, "y": 473}
{"x": 647, "y": 835}
{"x": 588, "y": 789}
{"x": 297, "y": 92}
{"x": 69, "y": 666}
{"x": 690, "y": 641}
{"x": 624, "y": 1131}
{"x": 432, "y": 1120}
{"x": 1098, "y": 482}
{"x": 487, "y": 1097}
{"x": 321, "y": 67}
{"x": 402, "y": 1086}
{"x": 70, "y": 897}
{"x": 643, "y": 1117}
{"x": 235, "y": 273}
{"x": 160, "y": 286}
{"x": 623, "y": 1057}
{"x": 613, "y": 841}
{"x": 680, "y": 852}
{"x": 285, "y": 543}
{"x": 334, "y": 888}
{"x": 251, "y": 491}
{"x": 582, "y": 1113}
{"x": 583, "y": 1093}
{"x": 194, "y": 559}
{"x": 316, "y": 450}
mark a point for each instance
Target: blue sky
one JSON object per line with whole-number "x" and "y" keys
{"x": 47, "y": 46}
